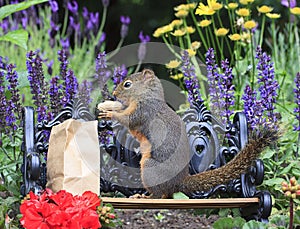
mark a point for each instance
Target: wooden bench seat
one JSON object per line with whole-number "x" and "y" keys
{"x": 119, "y": 167}
{"x": 129, "y": 203}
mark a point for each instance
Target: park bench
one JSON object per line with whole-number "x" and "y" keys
{"x": 120, "y": 162}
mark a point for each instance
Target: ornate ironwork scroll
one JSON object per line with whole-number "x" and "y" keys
{"x": 212, "y": 145}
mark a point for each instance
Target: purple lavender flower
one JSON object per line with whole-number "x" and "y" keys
{"x": 190, "y": 79}
{"x": 289, "y": 3}
{"x": 63, "y": 59}
{"x": 71, "y": 87}
{"x": 226, "y": 88}
{"x": 53, "y": 5}
{"x": 221, "y": 88}
{"x": 268, "y": 85}
{"x": 297, "y": 101}
{"x": 52, "y": 33}
{"x": 119, "y": 75}
{"x": 84, "y": 92}
{"x": 65, "y": 44}
{"x": 125, "y": 20}
{"x": 12, "y": 86}
{"x": 105, "y": 136}
{"x": 253, "y": 108}
{"x": 55, "y": 95}
{"x": 105, "y": 3}
{"x": 212, "y": 79}
{"x": 3, "y": 103}
{"x": 37, "y": 83}
{"x": 73, "y": 6}
{"x": 102, "y": 74}
{"x": 142, "y": 47}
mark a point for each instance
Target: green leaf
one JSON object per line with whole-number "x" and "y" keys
{"x": 252, "y": 224}
{"x": 18, "y": 37}
{"x": 180, "y": 196}
{"x": 273, "y": 181}
{"x": 10, "y": 9}
{"x": 229, "y": 223}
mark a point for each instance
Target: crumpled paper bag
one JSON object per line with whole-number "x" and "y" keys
{"x": 73, "y": 161}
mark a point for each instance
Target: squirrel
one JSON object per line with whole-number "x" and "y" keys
{"x": 164, "y": 145}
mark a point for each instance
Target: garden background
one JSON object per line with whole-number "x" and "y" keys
{"x": 239, "y": 55}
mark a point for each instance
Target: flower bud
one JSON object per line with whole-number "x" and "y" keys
{"x": 293, "y": 196}
{"x": 284, "y": 184}
{"x": 293, "y": 181}
{"x": 288, "y": 194}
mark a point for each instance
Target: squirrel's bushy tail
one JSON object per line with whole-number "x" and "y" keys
{"x": 259, "y": 140}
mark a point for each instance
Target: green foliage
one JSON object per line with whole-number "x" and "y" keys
{"x": 180, "y": 196}
{"x": 18, "y": 37}
{"x": 229, "y": 223}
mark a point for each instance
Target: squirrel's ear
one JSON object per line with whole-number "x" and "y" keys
{"x": 148, "y": 74}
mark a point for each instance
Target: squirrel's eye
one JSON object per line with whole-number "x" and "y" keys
{"x": 127, "y": 84}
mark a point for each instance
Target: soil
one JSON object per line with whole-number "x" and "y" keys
{"x": 164, "y": 219}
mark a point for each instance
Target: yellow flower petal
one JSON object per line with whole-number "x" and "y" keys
{"x": 177, "y": 76}
{"x": 162, "y": 30}
{"x": 191, "y": 52}
{"x": 190, "y": 29}
{"x": 221, "y": 32}
{"x": 295, "y": 10}
{"x": 204, "y": 10}
{"x": 246, "y": 37}
{"x": 182, "y": 13}
{"x": 250, "y": 24}
{"x": 178, "y": 33}
{"x": 213, "y": 4}
{"x": 181, "y": 7}
{"x": 264, "y": 9}
{"x": 235, "y": 37}
{"x": 273, "y": 15}
{"x": 243, "y": 12}
{"x": 204, "y": 23}
{"x": 195, "y": 45}
{"x": 176, "y": 23}
{"x": 173, "y": 64}
{"x": 232, "y": 5}
{"x": 246, "y": 2}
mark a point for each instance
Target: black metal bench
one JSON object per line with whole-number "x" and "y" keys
{"x": 120, "y": 162}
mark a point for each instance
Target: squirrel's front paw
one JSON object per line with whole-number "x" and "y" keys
{"x": 105, "y": 114}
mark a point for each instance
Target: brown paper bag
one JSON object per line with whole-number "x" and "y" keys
{"x": 73, "y": 162}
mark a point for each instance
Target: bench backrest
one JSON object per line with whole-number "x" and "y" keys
{"x": 212, "y": 144}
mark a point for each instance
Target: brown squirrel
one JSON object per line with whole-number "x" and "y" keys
{"x": 164, "y": 145}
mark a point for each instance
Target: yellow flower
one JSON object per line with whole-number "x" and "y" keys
{"x": 246, "y": 2}
{"x": 195, "y": 45}
{"x": 181, "y": 7}
{"x": 264, "y": 9}
{"x": 243, "y": 12}
{"x": 213, "y": 4}
{"x": 182, "y": 13}
{"x": 273, "y": 15}
{"x": 192, "y": 6}
{"x": 204, "y": 10}
{"x": 162, "y": 30}
{"x": 235, "y": 37}
{"x": 250, "y": 24}
{"x": 191, "y": 52}
{"x": 176, "y": 23}
{"x": 295, "y": 10}
{"x": 173, "y": 64}
{"x": 178, "y": 33}
{"x": 204, "y": 23}
{"x": 221, "y": 32}
{"x": 190, "y": 29}
{"x": 246, "y": 37}
{"x": 232, "y": 5}
{"x": 177, "y": 76}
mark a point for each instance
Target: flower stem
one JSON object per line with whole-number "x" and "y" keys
{"x": 252, "y": 56}
{"x": 291, "y": 213}
{"x": 262, "y": 30}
